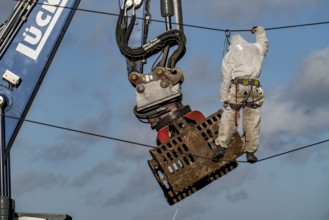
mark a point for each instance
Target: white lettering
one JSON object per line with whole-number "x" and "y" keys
{"x": 34, "y": 38}
{"x": 42, "y": 22}
{"x": 32, "y": 35}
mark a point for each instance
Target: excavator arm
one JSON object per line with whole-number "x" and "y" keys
{"x": 29, "y": 39}
{"x": 181, "y": 162}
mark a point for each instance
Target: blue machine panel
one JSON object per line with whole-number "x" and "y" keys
{"x": 29, "y": 56}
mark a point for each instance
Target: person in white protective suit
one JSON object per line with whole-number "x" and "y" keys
{"x": 240, "y": 89}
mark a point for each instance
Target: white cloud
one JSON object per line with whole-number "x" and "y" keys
{"x": 285, "y": 117}
{"x": 299, "y": 109}
{"x": 310, "y": 87}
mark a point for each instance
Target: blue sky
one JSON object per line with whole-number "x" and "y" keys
{"x": 86, "y": 88}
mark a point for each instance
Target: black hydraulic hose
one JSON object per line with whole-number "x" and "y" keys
{"x": 120, "y": 34}
{"x": 172, "y": 37}
{"x": 146, "y": 30}
{"x": 176, "y": 55}
{"x": 129, "y": 29}
{"x": 119, "y": 29}
{"x": 169, "y": 38}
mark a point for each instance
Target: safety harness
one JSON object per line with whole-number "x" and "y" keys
{"x": 245, "y": 82}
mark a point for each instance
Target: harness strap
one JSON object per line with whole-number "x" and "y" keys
{"x": 236, "y": 101}
{"x": 246, "y": 82}
{"x": 252, "y": 105}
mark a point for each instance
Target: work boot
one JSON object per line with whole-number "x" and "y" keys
{"x": 220, "y": 151}
{"x": 251, "y": 158}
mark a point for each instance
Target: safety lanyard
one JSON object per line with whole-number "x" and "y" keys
{"x": 227, "y": 42}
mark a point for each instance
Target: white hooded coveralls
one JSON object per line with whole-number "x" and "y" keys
{"x": 242, "y": 61}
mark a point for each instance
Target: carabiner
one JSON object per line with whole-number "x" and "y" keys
{"x": 227, "y": 33}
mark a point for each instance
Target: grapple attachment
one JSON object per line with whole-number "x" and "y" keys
{"x": 183, "y": 165}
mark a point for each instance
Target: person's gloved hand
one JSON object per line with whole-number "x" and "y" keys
{"x": 254, "y": 29}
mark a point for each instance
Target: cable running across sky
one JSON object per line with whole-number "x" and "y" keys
{"x": 186, "y": 25}
{"x": 198, "y": 26}
{"x": 150, "y": 146}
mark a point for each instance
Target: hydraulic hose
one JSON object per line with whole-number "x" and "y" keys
{"x": 169, "y": 38}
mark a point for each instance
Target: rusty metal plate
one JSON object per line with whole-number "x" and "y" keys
{"x": 183, "y": 165}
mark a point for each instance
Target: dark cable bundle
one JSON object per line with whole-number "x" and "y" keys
{"x": 168, "y": 38}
